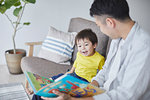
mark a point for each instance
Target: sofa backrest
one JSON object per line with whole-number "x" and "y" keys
{"x": 78, "y": 24}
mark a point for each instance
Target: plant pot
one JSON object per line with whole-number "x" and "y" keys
{"x": 13, "y": 60}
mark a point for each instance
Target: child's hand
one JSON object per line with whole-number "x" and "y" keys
{"x": 50, "y": 78}
{"x": 68, "y": 72}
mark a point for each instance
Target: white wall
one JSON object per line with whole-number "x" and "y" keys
{"x": 57, "y": 13}
{"x": 44, "y": 13}
{"x": 139, "y": 11}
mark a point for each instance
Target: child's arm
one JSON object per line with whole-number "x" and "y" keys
{"x": 71, "y": 71}
{"x": 29, "y": 91}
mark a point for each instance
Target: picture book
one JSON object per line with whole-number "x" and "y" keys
{"x": 36, "y": 81}
{"x": 66, "y": 84}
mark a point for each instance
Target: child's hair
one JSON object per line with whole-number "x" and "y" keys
{"x": 86, "y": 34}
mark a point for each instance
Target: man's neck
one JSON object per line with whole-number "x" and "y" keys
{"x": 125, "y": 28}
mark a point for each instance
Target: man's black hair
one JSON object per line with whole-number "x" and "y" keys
{"x": 86, "y": 34}
{"x": 117, "y": 9}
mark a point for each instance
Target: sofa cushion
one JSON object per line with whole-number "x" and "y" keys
{"x": 78, "y": 24}
{"x": 43, "y": 67}
{"x": 58, "y": 46}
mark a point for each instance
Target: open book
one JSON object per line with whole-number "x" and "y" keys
{"x": 67, "y": 84}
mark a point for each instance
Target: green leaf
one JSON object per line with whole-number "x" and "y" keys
{"x": 1, "y": 1}
{"x": 17, "y": 3}
{"x": 26, "y": 23}
{"x": 31, "y": 1}
{"x": 2, "y": 9}
{"x": 17, "y": 11}
{"x": 10, "y": 3}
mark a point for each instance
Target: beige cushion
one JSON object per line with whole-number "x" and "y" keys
{"x": 43, "y": 67}
{"x": 58, "y": 46}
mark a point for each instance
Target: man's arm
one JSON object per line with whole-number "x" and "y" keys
{"x": 99, "y": 79}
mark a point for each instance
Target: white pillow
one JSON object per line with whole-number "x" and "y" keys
{"x": 58, "y": 46}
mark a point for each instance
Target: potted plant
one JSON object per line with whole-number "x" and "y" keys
{"x": 13, "y": 56}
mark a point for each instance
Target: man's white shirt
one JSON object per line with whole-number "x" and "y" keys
{"x": 115, "y": 66}
{"x": 132, "y": 81}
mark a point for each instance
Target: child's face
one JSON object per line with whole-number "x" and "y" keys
{"x": 85, "y": 47}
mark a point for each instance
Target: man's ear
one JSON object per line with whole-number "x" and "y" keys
{"x": 110, "y": 22}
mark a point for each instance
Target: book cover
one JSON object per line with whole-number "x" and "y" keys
{"x": 36, "y": 81}
{"x": 70, "y": 85}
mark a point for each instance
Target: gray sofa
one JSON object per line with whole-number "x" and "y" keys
{"x": 48, "y": 68}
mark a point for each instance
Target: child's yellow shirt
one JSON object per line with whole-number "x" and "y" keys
{"x": 86, "y": 66}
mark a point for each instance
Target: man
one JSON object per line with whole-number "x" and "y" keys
{"x": 126, "y": 73}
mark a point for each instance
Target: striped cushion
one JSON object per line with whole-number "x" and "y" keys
{"x": 58, "y": 46}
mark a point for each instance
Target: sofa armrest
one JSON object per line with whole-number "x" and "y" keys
{"x": 31, "y": 47}
{"x": 43, "y": 67}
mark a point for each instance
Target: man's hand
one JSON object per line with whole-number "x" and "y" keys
{"x": 61, "y": 96}
{"x": 95, "y": 83}
{"x": 29, "y": 91}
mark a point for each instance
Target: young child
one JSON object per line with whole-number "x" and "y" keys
{"x": 88, "y": 61}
